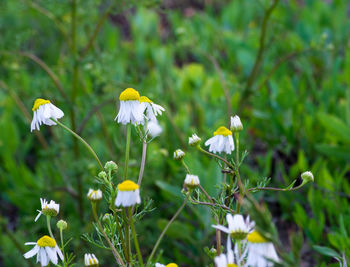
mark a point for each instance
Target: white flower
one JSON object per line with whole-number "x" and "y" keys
{"x": 94, "y": 195}
{"x": 236, "y": 124}
{"x": 90, "y": 260}
{"x": 152, "y": 110}
{"x": 179, "y": 154}
{"x": 43, "y": 112}
{"x": 48, "y": 209}
{"x": 194, "y": 140}
{"x": 261, "y": 253}
{"x": 222, "y": 141}
{"x": 131, "y": 110}
{"x": 237, "y": 227}
{"x": 191, "y": 180}
{"x": 168, "y": 265}
{"x": 232, "y": 258}
{"x": 46, "y": 250}
{"x": 128, "y": 194}
{"x": 153, "y": 128}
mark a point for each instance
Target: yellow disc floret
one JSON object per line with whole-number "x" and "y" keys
{"x": 145, "y": 99}
{"x": 223, "y": 131}
{"x": 129, "y": 94}
{"x": 255, "y": 237}
{"x": 127, "y": 186}
{"x": 46, "y": 241}
{"x": 38, "y": 102}
{"x": 231, "y": 265}
{"x": 92, "y": 261}
{"x": 171, "y": 265}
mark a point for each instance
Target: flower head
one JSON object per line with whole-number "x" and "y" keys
{"x": 43, "y": 112}
{"x": 238, "y": 228}
{"x": 231, "y": 259}
{"x": 131, "y": 110}
{"x": 261, "y": 252}
{"x": 128, "y": 194}
{"x": 222, "y": 141}
{"x": 46, "y": 250}
{"x": 94, "y": 195}
{"x": 62, "y": 225}
{"x": 90, "y": 260}
{"x": 111, "y": 166}
{"x": 168, "y": 265}
{"x": 179, "y": 154}
{"x": 236, "y": 124}
{"x": 48, "y": 209}
{"x": 194, "y": 140}
{"x": 307, "y": 177}
{"x": 152, "y": 110}
{"x": 191, "y": 181}
{"x": 153, "y": 128}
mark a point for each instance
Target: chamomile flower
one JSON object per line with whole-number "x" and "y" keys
{"x": 236, "y": 124}
{"x": 152, "y": 110}
{"x": 46, "y": 250}
{"x": 238, "y": 228}
{"x": 231, "y": 258}
{"x": 128, "y": 194}
{"x": 131, "y": 110}
{"x": 48, "y": 209}
{"x": 94, "y": 195}
{"x": 179, "y": 154}
{"x": 222, "y": 141}
{"x": 191, "y": 181}
{"x": 261, "y": 252}
{"x": 43, "y": 112}
{"x": 153, "y": 128}
{"x": 90, "y": 260}
{"x": 194, "y": 140}
{"x": 168, "y": 265}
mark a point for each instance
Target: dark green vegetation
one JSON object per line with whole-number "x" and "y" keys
{"x": 283, "y": 67}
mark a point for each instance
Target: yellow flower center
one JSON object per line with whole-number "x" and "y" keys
{"x": 92, "y": 261}
{"x": 223, "y": 131}
{"x": 255, "y": 237}
{"x": 129, "y": 94}
{"x": 38, "y": 102}
{"x": 171, "y": 265}
{"x": 127, "y": 186}
{"x": 46, "y": 241}
{"x": 145, "y": 99}
{"x": 231, "y": 265}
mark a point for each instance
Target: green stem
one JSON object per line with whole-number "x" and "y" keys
{"x": 127, "y": 236}
{"x": 48, "y": 218}
{"x": 81, "y": 140}
{"x": 185, "y": 166}
{"x": 137, "y": 247}
{"x": 127, "y": 150}
{"x": 62, "y": 247}
{"x": 215, "y": 156}
{"x": 166, "y": 229}
{"x": 240, "y": 184}
{"x": 115, "y": 253}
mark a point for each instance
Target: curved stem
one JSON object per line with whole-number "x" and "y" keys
{"x": 215, "y": 156}
{"x": 143, "y": 162}
{"x": 127, "y": 150}
{"x": 81, "y": 140}
{"x": 137, "y": 247}
{"x": 166, "y": 229}
{"x": 48, "y": 218}
{"x": 185, "y": 166}
{"x": 116, "y": 255}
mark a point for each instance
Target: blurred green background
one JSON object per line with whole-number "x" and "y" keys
{"x": 282, "y": 66}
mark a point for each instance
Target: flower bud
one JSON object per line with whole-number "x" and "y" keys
{"x": 191, "y": 181}
{"x": 236, "y": 124}
{"x": 106, "y": 217}
{"x": 102, "y": 175}
{"x": 94, "y": 195}
{"x": 90, "y": 260}
{"x": 307, "y": 177}
{"x": 111, "y": 166}
{"x": 62, "y": 225}
{"x": 179, "y": 154}
{"x": 194, "y": 140}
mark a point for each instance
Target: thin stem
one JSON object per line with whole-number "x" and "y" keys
{"x": 116, "y": 255}
{"x": 185, "y": 166}
{"x": 127, "y": 236}
{"x": 81, "y": 140}
{"x": 137, "y": 247}
{"x": 127, "y": 150}
{"x": 48, "y": 218}
{"x": 62, "y": 247}
{"x": 118, "y": 228}
{"x": 215, "y": 156}
{"x": 166, "y": 229}
{"x": 213, "y": 204}
{"x": 143, "y": 162}
{"x": 240, "y": 184}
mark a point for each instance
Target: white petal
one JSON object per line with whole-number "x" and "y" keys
{"x": 31, "y": 252}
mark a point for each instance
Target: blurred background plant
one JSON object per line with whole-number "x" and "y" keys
{"x": 283, "y": 66}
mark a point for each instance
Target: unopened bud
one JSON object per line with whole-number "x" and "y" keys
{"x": 236, "y": 124}
{"x": 111, "y": 166}
{"x": 62, "y": 225}
{"x": 307, "y": 177}
{"x": 194, "y": 140}
{"x": 179, "y": 154}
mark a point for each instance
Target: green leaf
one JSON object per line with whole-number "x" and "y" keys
{"x": 173, "y": 190}
{"x": 335, "y": 126}
{"x": 326, "y": 251}
{"x": 339, "y": 152}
